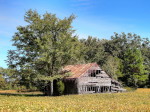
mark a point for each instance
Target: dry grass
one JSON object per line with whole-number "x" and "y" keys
{"x": 19, "y": 92}
{"x": 138, "y": 101}
{"x": 8, "y": 91}
{"x": 143, "y": 90}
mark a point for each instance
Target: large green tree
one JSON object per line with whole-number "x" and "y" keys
{"x": 48, "y": 43}
{"x": 145, "y": 50}
{"x": 2, "y": 80}
{"x": 134, "y": 68}
{"x": 113, "y": 67}
{"x": 44, "y": 45}
{"x": 119, "y": 43}
{"x": 94, "y": 50}
{"x": 118, "y": 47}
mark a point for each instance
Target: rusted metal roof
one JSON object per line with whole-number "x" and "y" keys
{"x": 78, "y": 70}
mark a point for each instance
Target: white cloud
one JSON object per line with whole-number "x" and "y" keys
{"x": 10, "y": 22}
{"x": 82, "y": 5}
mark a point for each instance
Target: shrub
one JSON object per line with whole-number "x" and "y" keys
{"x": 60, "y": 87}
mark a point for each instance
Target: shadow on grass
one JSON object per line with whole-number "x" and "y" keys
{"x": 21, "y": 94}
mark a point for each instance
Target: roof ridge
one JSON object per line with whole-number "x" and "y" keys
{"x": 81, "y": 64}
{"x": 78, "y": 69}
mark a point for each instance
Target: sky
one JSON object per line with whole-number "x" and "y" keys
{"x": 97, "y": 18}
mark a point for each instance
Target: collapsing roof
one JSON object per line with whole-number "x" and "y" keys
{"x": 78, "y": 70}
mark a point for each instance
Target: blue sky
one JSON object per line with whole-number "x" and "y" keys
{"x": 98, "y": 18}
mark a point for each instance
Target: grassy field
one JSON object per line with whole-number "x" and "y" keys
{"x": 137, "y": 101}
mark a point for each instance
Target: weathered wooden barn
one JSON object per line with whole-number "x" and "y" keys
{"x": 89, "y": 78}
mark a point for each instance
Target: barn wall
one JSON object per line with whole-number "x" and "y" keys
{"x": 71, "y": 86}
{"x": 101, "y": 82}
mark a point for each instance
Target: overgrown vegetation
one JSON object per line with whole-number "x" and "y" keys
{"x": 59, "y": 88}
{"x": 48, "y": 43}
{"x": 137, "y": 101}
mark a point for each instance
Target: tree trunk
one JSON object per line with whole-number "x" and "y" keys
{"x": 49, "y": 89}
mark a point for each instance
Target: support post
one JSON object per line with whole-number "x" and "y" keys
{"x": 51, "y": 88}
{"x": 110, "y": 88}
{"x": 99, "y": 89}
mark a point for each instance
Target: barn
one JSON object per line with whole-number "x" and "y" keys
{"x": 85, "y": 79}
{"x": 89, "y": 78}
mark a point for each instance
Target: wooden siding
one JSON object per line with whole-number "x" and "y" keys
{"x": 97, "y": 83}
{"x": 89, "y": 78}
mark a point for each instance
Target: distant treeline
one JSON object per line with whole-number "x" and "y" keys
{"x": 47, "y": 43}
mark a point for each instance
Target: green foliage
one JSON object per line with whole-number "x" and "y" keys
{"x": 134, "y": 68}
{"x": 2, "y": 82}
{"x": 130, "y": 89}
{"x": 47, "y": 43}
{"x": 112, "y": 56}
{"x": 119, "y": 43}
{"x": 43, "y": 46}
{"x": 94, "y": 50}
{"x": 112, "y": 67}
{"x": 60, "y": 87}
